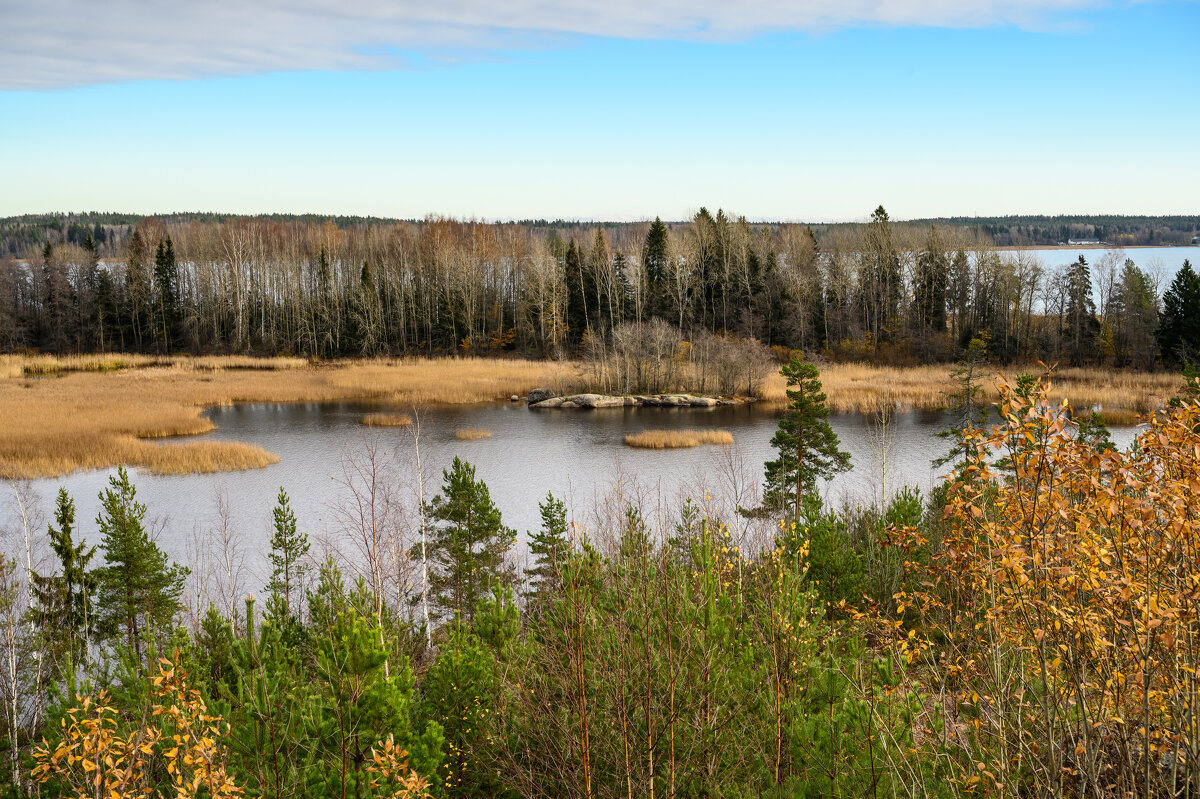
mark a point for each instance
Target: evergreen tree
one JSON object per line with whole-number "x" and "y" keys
{"x": 655, "y": 256}
{"x": 966, "y": 405}
{"x": 470, "y": 542}
{"x": 548, "y": 548}
{"x": 166, "y": 284}
{"x": 1134, "y": 311}
{"x": 931, "y": 280}
{"x": 1179, "y": 327}
{"x": 808, "y": 447}
{"x": 288, "y": 548}
{"x": 64, "y": 601}
{"x": 138, "y": 589}
{"x": 580, "y": 287}
{"x": 1081, "y": 323}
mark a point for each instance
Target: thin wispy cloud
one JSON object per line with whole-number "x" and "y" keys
{"x": 61, "y": 43}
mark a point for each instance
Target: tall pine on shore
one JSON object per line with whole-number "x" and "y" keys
{"x": 470, "y": 542}
{"x": 549, "y": 548}
{"x": 139, "y": 588}
{"x": 808, "y": 447}
{"x": 288, "y": 549}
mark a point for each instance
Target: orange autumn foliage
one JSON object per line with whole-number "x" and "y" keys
{"x": 1062, "y": 613}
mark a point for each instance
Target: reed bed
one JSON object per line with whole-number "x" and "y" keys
{"x": 677, "y": 439}
{"x": 472, "y": 433}
{"x": 1120, "y": 397}
{"x": 81, "y": 415}
{"x": 387, "y": 420}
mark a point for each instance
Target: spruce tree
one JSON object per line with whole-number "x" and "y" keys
{"x": 139, "y": 589}
{"x": 808, "y": 447}
{"x": 655, "y": 263}
{"x": 65, "y": 601}
{"x": 470, "y": 542}
{"x": 1179, "y": 326}
{"x": 288, "y": 548}
{"x": 166, "y": 284}
{"x": 1082, "y": 326}
{"x": 548, "y": 547}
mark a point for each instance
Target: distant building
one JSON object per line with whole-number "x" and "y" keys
{"x": 1082, "y": 242}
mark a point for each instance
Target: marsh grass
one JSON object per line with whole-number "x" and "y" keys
{"x": 387, "y": 420}
{"x": 677, "y": 439}
{"x": 1119, "y": 397}
{"x": 472, "y": 433}
{"x": 60, "y": 414}
{"x": 93, "y": 412}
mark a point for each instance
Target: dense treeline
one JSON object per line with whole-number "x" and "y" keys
{"x": 359, "y": 287}
{"x": 1028, "y": 630}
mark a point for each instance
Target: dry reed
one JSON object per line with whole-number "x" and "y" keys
{"x": 677, "y": 439}
{"x": 92, "y": 412}
{"x": 387, "y": 420}
{"x": 472, "y": 433}
{"x": 1120, "y": 397}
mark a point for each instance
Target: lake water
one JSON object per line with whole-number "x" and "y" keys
{"x": 578, "y": 455}
{"x": 1160, "y": 263}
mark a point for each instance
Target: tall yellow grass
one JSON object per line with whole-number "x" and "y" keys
{"x": 1120, "y": 397}
{"x": 387, "y": 420}
{"x": 472, "y": 434}
{"x": 677, "y": 439}
{"x": 58, "y": 415}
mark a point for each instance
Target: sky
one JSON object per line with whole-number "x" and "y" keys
{"x": 601, "y": 109}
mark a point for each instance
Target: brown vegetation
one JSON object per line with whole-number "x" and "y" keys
{"x": 61, "y": 414}
{"x": 1120, "y": 397}
{"x": 677, "y": 439}
{"x": 87, "y": 416}
{"x": 472, "y": 433}
{"x": 387, "y": 420}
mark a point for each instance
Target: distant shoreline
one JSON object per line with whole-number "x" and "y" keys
{"x": 1096, "y": 247}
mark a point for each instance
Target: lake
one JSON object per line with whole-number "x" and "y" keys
{"x": 578, "y": 455}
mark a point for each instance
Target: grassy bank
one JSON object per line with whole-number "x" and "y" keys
{"x": 1121, "y": 397}
{"x": 91, "y": 412}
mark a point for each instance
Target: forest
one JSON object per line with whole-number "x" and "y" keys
{"x": 880, "y": 291}
{"x": 1027, "y": 629}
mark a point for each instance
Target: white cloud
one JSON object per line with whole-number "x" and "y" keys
{"x": 58, "y": 43}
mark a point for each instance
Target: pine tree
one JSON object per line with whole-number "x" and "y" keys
{"x": 64, "y": 601}
{"x": 138, "y": 589}
{"x": 808, "y": 447}
{"x": 1179, "y": 327}
{"x": 288, "y": 548}
{"x": 548, "y": 548}
{"x": 966, "y": 406}
{"x": 470, "y": 542}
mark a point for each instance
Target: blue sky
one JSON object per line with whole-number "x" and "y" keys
{"x": 822, "y": 113}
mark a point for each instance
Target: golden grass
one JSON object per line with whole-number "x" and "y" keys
{"x": 472, "y": 433}
{"x": 93, "y": 412}
{"x": 1120, "y": 397}
{"x": 677, "y": 439}
{"x": 387, "y": 420}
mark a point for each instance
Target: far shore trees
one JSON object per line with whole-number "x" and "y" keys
{"x": 885, "y": 291}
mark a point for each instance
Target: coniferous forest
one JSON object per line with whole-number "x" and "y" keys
{"x": 878, "y": 291}
{"x": 1028, "y": 629}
